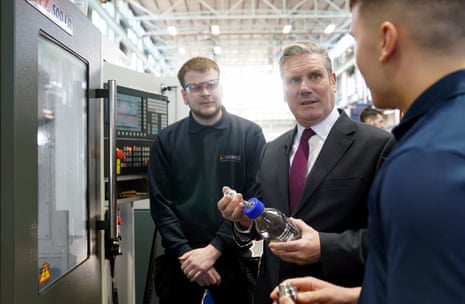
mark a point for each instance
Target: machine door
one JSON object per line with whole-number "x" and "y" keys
{"x": 51, "y": 155}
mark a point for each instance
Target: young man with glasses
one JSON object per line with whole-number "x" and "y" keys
{"x": 190, "y": 162}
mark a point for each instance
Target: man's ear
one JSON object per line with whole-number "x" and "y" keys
{"x": 184, "y": 97}
{"x": 333, "y": 81}
{"x": 389, "y": 39}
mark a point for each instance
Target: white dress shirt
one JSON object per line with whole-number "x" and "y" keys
{"x": 315, "y": 142}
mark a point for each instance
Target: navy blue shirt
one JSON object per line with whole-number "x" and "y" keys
{"x": 416, "y": 228}
{"x": 189, "y": 165}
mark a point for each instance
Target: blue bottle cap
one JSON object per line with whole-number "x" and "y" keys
{"x": 255, "y": 209}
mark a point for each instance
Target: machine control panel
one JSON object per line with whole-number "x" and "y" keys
{"x": 140, "y": 116}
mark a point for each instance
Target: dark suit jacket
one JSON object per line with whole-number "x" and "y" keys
{"x": 334, "y": 202}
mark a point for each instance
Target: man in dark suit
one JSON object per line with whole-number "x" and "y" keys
{"x": 343, "y": 160}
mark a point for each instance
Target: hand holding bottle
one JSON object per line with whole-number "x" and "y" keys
{"x": 270, "y": 223}
{"x": 306, "y": 250}
{"x": 230, "y": 206}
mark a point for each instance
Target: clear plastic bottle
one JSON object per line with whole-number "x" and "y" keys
{"x": 272, "y": 224}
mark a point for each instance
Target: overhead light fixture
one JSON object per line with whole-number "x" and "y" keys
{"x": 287, "y": 29}
{"x": 215, "y": 29}
{"x": 217, "y": 50}
{"x": 330, "y": 28}
{"x": 172, "y": 30}
{"x": 181, "y": 50}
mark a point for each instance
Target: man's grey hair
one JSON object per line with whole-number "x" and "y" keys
{"x": 305, "y": 47}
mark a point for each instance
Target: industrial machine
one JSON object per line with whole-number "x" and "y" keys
{"x": 61, "y": 174}
{"x": 139, "y": 116}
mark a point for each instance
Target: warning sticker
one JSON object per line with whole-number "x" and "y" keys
{"x": 44, "y": 273}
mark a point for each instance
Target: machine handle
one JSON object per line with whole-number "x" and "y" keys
{"x": 112, "y": 197}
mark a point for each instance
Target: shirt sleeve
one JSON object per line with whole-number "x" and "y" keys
{"x": 422, "y": 212}
{"x": 159, "y": 191}
{"x": 255, "y": 143}
{"x": 343, "y": 252}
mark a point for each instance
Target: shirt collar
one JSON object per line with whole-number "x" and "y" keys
{"x": 445, "y": 88}
{"x": 322, "y": 128}
{"x": 223, "y": 123}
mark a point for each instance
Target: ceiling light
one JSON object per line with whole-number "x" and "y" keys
{"x": 181, "y": 50}
{"x": 215, "y": 29}
{"x": 330, "y": 28}
{"x": 217, "y": 50}
{"x": 172, "y": 30}
{"x": 287, "y": 29}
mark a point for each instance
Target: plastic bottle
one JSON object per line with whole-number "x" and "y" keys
{"x": 272, "y": 224}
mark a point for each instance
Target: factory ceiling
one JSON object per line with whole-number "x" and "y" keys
{"x": 251, "y": 33}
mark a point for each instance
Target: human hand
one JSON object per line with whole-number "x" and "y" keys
{"x": 231, "y": 209}
{"x": 196, "y": 264}
{"x": 305, "y": 250}
{"x": 211, "y": 277}
{"x": 311, "y": 290}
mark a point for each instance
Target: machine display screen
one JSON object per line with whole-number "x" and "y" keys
{"x": 129, "y": 117}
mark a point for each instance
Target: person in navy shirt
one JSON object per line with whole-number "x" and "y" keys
{"x": 412, "y": 55}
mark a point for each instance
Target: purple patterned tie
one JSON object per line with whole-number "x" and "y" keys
{"x": 298, "y": 170}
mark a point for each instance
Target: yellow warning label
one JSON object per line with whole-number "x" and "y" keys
{"x": 44, "y": 273}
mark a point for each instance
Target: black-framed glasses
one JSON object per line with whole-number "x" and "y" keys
{"x": 198, "y": 87}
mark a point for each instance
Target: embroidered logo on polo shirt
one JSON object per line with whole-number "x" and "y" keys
{"x": 230, "y": 158}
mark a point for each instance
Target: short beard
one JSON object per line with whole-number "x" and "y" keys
{"x": 210, "y": 118}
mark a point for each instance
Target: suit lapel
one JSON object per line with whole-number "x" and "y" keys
{"x": 283, "y": 166}
{"x": 336, "y": 145}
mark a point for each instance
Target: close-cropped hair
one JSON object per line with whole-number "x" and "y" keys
{"x": 198, "y": 64}
{"x": 435, "y": 25}
{"x": 305, "y": 47}
{"x": 369, "y": 113}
